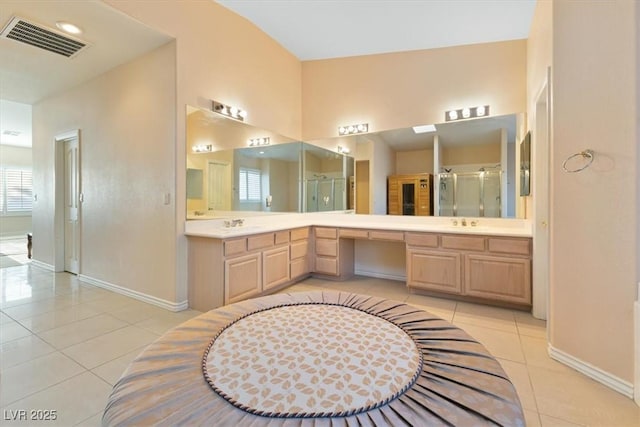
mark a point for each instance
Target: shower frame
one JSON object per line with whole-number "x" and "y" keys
{"x": 480, "y": 176}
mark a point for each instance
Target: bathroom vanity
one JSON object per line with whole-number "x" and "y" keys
{"x": 489, "y": 262}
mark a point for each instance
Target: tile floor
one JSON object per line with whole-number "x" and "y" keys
{"x": 64, "y": 343}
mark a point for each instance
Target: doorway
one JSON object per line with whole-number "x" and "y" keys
{"x": 362, "y": 187}
{"x": 68, "y": 198}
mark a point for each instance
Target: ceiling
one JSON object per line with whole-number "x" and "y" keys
{"x": 321, "y": 29}
{"x": 357, "y": 27}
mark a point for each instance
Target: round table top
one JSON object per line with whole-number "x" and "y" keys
{"x": 315, "y": 358}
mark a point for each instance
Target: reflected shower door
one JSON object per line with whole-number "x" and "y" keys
{"x": 339, "y": 194}
{"x": 325, "y": 199}
{"x": 468, "y": 194}
{"x": 311, "y": 196}
{"x": 491, "y": 195}
{"x": 447, "y": 192}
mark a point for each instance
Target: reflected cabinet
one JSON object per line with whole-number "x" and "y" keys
{"x": 410, "y": 194}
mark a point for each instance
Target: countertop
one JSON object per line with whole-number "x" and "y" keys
{"x": 255, "y": 224}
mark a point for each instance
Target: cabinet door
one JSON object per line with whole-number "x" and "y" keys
{"x": 275, "y": 265}
{"x": 432, "y": 270}
{"x": 242, "y": 277}
{"x": 393, "y": 196}
{"x": 498, "y": 278}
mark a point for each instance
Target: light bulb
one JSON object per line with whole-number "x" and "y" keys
{"x": 233, "y": 111}
{"x": 242, "y": 114}
{"x": 480, "y": 111}
{"x": 466, "y": 113}
{"x": 342, "y": 130}
{"x": 351, "y": 129}
{"x": 360, "y": 128}
{"x": 453, "y": 115}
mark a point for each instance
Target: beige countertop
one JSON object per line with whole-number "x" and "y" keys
{"x": 255, "y": 224}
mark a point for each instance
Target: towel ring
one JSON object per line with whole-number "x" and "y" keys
{"x": 586, "y": 154}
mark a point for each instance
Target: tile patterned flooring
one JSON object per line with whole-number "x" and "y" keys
{"x": 64, "y": 343}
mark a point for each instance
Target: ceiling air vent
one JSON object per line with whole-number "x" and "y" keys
{"x": 45, "y": 38}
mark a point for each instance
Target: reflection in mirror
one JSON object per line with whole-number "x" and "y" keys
{"x": 525, "y": 165}
{"x": 326, "y": 176}
{"x": 472, "y": 163}
{"x": 225, "y": 175}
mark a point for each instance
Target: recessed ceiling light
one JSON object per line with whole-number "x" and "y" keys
{"x": 68, "y": 27}
{"x": 424, "y": 128}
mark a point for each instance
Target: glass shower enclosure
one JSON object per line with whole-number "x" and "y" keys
{"x": 325, "y": 174}
{"x": 473, "y": 194}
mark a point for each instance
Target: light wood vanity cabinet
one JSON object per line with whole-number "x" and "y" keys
{"x": 224, "y": 271}
{"x": 334, "y": 257}
{"x": 489, "y": 268}
{"x": 485, "y": 268}
{"x": 242, "y": 277}
{"x": 299, "y": 253}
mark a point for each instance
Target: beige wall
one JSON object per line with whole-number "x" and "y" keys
{"x": 398, "y": 90}
{"x": 221, "y": 56}
{"x": 472, "y": 154}
{"x": 127, "y": 123}
{"x": 415, "y": 161}
{"x": 594, "y": 216}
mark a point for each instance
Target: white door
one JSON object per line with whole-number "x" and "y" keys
{"x": 219, "y": 186}
{"x": 71, "y": 206}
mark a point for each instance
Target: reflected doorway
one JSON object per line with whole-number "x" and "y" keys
{"x": 362, "y": 187}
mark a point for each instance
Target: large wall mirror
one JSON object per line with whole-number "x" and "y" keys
{"x": 472, "y": 165}
{"x": 225, "y": 174}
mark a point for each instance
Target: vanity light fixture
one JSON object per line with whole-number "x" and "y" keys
{"x": 353, "y": 129}
{"x": 202, "y": 148}
{"x": 343, "y": 150}
{"x": 254, "y": 142}
{"x": 424, "y": 128}
{"x": 228, "y": 110}
{"x": 467, "y": 113}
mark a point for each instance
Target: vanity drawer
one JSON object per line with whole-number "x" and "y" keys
{"x": 260, "y": 241}
{"x": 327, "y": 265}
{"x": 420, "y": 239}
{"x": 233, "y": 247}
{"x": 327, "y": 247}
{"x": 299, "y": 249}
{"x": 327, "y": 233}
{"x": 300, "y": 233}
{"x": 510, "y": 246}
{"x": 282, "y": 237}
{"x": 467, "y": 243}
{"x": 397, "y": 236}
{"x": 354, "y": 233}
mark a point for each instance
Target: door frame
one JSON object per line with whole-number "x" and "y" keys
{"x": 541, "y": 190}
{"x": 58, "y": 218}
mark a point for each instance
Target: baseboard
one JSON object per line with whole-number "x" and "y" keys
{"x": 379, "y": 275}
{"x": 636, "y": 316}
{"x": 43, "y": 265}
{"x": 168, "y": 305}
{"x": 623, "y": 387}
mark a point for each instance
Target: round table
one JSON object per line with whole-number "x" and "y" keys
{"x": 313, "y": 359}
